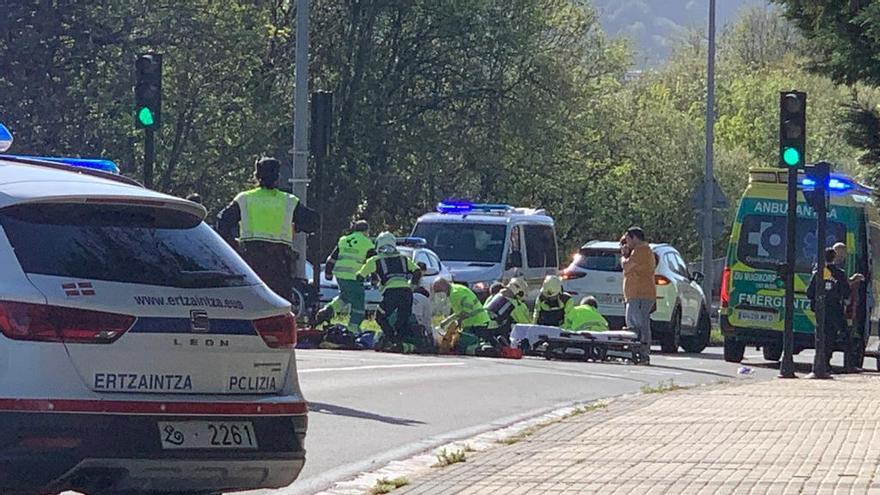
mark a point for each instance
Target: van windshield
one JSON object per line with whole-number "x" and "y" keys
{"x": 121, "y": 243}
{"x": 473, "y": 242}
{"x": 762, "y": 241}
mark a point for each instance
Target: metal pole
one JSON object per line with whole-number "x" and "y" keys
{"x": 149, "y": 156}
{"x": 786, "y": 367}
{"x": 709, "y": 175}
{"x": 820, "y": 369}
{"x": 301, "y": 125}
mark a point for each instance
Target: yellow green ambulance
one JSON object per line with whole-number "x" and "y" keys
{"x": 752, "y": 292}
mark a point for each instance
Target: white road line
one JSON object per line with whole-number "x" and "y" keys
{"x": 381, "y": 367}
{"x": 644, "y": 371}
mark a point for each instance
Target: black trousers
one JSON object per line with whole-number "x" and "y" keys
{"x": 273, "y": 263}
{"x": 394, "y": 313}
{"x": 835, "y": 329}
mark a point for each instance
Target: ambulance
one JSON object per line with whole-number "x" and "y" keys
{"x": 138, "y": 352}
{"x": 752, "y": 291}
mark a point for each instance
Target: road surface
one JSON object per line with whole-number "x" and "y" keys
{"x": 368, "y": 408}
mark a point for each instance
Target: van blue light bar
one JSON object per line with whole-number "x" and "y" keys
{"x": 834, "y": 184}
{"x": 92, "y": 163}
{"x": 461, "y": 207}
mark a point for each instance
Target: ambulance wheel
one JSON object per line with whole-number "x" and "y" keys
{"x": 734, "y": 351}
{"x": 772, "y": 352}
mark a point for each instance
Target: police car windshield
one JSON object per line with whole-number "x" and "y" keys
{"x": 471, "y": 242}
{"x": 762, "y": 241}
{"x": 121, "y": 243}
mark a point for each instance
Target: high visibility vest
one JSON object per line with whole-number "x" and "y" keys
{"x": 465, "y": 302}
{"x": 394, "y": 270}
{"x": 555, "y": 313}
{"x": 352, "y": 254}
{"x": 586, "y": 318}
{"x": 266, "y": 215}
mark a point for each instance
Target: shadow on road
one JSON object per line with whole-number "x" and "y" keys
{"x": 322, "y": 408}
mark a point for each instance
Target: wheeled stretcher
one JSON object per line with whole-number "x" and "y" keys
{"x": 556, "y": 343}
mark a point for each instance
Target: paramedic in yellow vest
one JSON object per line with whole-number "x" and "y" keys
{"x": 260, "y": 224}
{"x": 586, "y": 317}
{"x": 352, "y": 251}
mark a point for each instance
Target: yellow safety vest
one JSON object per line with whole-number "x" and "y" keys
{"x": 352, "y": 254}
{"x": 266, "y": 215}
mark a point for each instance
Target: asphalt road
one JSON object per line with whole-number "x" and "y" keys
{"x": 368, "y": 408}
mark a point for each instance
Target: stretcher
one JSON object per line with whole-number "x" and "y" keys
{"x": 556, "y": 343}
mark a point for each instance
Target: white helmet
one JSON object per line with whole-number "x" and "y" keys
{"x": 518, "y": 286}
{"x": 386, "y": 242}
{"x": 552, "y": 286}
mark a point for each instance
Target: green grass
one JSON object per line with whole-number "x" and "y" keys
{"x": 447, "y": 458}
{"x": 662, "y": 387}
{"x": 715, "y": 337}
{"x": 385, "y": 485}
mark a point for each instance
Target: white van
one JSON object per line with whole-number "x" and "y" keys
{"x": 486, "y": 243}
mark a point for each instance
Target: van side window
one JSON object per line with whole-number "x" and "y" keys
{"x": 540, "y": 246}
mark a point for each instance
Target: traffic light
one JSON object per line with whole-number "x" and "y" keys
{"x": 815, "y": 184}
{"x": 792, "y": 128}
{"x": 148, "y": 91}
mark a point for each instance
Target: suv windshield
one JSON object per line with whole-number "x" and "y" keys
{"x": 599, "y": 260}
{"x": 762, "y": 241}
{"x": 474, "y": 242}
{"x": 132, "y": 244}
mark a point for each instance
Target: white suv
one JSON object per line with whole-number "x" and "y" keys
{"x": 682, "y": 315}
{"x": 138, "y": 352}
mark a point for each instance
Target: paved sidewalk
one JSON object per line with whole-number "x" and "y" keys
{"x": 776, "y": 437}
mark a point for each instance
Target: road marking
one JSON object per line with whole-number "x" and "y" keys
{"x": 644, "y": 371}
{"x": 381, "y": 367}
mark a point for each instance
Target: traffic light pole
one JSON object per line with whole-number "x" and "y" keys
{"x": 709, "y": 174}
{"x": 299, "y": 175}
{"x": 786, "y": 366}
{"x": 820, "y": 370}
{"x": 149, "y": 156}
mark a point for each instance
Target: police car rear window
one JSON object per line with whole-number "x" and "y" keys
{"x": 599, "y": 260}
{"x": 121, "y": 243}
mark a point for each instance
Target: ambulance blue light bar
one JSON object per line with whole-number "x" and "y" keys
{"x": 834, "y": 184}
{"x": 462, "y": 207}
{"x": 92, "y": 163}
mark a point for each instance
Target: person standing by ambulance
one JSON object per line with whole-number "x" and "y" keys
{"x": 259, "y": 224}
{"x": 639, "y": 290}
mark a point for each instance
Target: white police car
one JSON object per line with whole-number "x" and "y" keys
{"x": 138, "y": 352}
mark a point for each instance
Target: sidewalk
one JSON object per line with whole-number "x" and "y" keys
{"x": 778, "y": 437}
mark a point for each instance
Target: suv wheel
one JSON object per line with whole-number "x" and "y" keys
{"x": 669, "y": 339}
{"x": 696, "y": 343}
{"x": 734, "y": 351}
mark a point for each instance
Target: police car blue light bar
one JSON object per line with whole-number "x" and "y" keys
{"x": 5, "y": 139}
{"x": 92, "y": 163}
{"x": 834, "y": 184}
{"x": 460, "y": 207}
{"x": 412, "y": 241}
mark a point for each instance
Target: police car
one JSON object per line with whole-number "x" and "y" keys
{"x": 138, "y": 352}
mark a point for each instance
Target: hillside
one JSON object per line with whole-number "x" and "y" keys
{"x": 655, "y": 26}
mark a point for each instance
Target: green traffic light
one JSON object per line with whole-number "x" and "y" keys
{"x": 791, "y": 157}
{"x": 145, "y": 117}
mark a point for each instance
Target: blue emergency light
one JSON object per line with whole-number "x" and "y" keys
{"x": 834, "y": 184}
{"x": 462, "y": 207}
{"x": 101, "y": 164}
{"x": 5, "y": 138}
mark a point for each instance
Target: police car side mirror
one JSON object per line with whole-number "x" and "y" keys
{"x": 514, "y": 260}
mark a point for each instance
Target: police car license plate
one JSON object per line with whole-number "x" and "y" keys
{"x": 756, "y": 316}
{"x": 207, "y": 435}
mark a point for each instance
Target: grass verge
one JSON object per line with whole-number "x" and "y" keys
{"x": 448, "y": 458}
{"x": 662, "y": 387}
{"x": 385, "y": 485}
